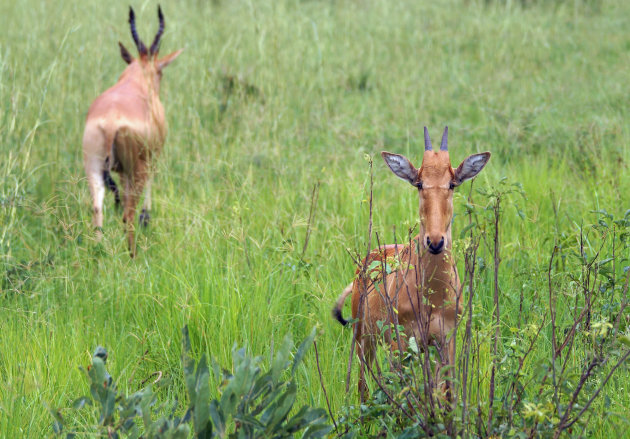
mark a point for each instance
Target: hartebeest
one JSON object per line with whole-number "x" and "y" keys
{"x": 420, "y": 291}
{"x": 125, "y": 129}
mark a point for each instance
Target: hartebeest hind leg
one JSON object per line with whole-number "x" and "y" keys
{"x": 96, "y": 142}
{"x": 111, "y": 185}
{"x": 449, "y": 375}
{"x": 146, "y": 206}
{"x": 94, "y": 170}
{"x": 446, "y": 357}
{"x": 133, "y": 190}
{"x": 366, "y": 350}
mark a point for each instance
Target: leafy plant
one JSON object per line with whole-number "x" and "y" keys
{"x": 251, "y": 404}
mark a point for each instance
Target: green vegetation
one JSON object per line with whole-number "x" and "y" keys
{"x": 272, "y": 108}
{"x": 252, "y": 403}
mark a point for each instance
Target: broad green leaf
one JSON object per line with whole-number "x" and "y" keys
{"x": 465, "y": 230}
{"x": 282, "y": 408}
{"x": 201, "y": 413}
{"x": 306, "y": 417}
{"x": 147, "y": 400}
{"x": 188, "y": 365}
{"x": 281, "y": 359}
{"x": 218, "y": 419}
{"x": 298, "y": 420}
{"x": 316, "y": 430}
{"x": 250, "y": 420}
{"x": 301, "y": 352}
{"x": 80, "y": 402}
{"x": 267, "y": 400}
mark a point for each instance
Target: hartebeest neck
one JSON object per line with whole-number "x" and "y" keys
{"x": 141, "y": 79}
{"x": 433, "y": 274}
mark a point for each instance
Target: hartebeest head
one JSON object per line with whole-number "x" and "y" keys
{"x": 435, "y": 181}
{"x": 147, "y": 63}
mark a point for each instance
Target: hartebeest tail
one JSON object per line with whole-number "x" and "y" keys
{"x": 421, "y": 294}
{"x": 125, "y": 129}
{"x": 337, "y": 310}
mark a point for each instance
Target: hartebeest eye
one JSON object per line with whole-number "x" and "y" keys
{"x": 451, "y": 185}
{"x": 418, "y": 185}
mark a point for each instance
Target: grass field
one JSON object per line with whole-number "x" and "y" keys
{"x": 269, "y": 100}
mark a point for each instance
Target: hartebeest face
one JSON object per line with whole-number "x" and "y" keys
{"x": 436, "y": 179}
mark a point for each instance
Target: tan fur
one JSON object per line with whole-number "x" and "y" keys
{"x": 421, "y": 294}
{"x": 125, "y": 129}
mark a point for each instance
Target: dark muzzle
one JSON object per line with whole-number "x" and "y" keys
{"x": 435, "y": 248}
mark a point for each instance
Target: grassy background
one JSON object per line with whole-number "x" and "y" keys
{"x": 316, "y": 86}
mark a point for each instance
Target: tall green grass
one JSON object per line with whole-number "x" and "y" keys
{"x": 315, "y": 85}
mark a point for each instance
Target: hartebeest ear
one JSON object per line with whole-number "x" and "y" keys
{"x": 125, "y": 53}
{"x": 470, "y": 167}
{"x": 163, "y": 62}
{"x": 402, "y": 167}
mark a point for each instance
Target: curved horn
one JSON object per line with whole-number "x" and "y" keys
{"x": 156, "y": 42}
{"x": 132, "y": 23}
{"x": 427, "y": 140}
{"x": 444, "y": 144}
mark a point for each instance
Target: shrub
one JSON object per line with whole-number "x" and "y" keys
{"x": 251, "y": 404}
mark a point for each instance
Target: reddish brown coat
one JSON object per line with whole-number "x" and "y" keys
{"x": 125, "y": 129}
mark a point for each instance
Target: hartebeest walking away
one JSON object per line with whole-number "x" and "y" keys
{"x": 421, "y": 292}
{"x": 125, "y": 129}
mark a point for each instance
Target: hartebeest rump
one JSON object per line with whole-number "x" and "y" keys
{"x": 420, "y": 293}
{"x": 125, "y": 129}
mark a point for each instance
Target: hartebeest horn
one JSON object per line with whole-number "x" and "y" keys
{"x": 142, "y": 49}
{"x": 444, "y": 144}
{"x": 427, "y": 140}
{"x": 156, "y": 42}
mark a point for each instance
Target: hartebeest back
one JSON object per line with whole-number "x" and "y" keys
{"x": 421, "y": 292}
{"x": 125, "y": 129}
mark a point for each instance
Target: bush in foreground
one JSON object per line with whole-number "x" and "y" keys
{"x": 251, "y": 404}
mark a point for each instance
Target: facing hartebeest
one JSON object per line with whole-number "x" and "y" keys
{"x": 421, "y": 292}
{"x": 125, "y": 128}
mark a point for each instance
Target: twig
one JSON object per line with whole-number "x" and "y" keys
{"x": 321, "y": 381}
{"x": 390, "y": 397}
{"x": 311, "y": 217}
{"x": 624, "y": 302}
{"x": 135, "y": 367}
{"x": 521, "y": 362}
{"x": 497, "y": 313}
{"x": 469, "y": 264}
{"x": 159, "y": 377}
{"x": 554, "y": 343}
{"x": 361, "y": 275}
{"x": 599, "y": 389}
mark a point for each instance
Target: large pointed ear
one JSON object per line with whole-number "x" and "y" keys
{"x": 125, "y": 53}
{"x": 402, "y": 167}
{"x": 470, "y": 167}
{"x": 163, "y": 62}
